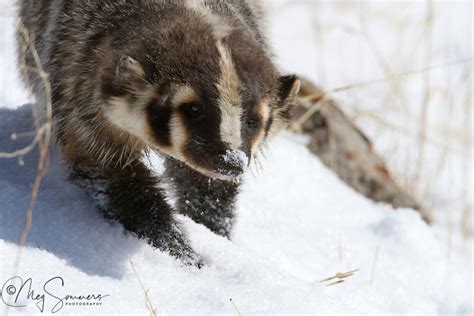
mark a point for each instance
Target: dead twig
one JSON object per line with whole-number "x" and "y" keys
{"x": 43, "y": 130}
{"x": 42, "y": 137}
{"x": 25, "y": 150}
{"x": 148, "y": 303}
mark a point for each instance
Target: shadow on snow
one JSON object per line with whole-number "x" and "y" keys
{"x": 65, "y": 222}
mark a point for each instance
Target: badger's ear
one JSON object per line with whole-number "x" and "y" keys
{"x": 288, "y": 89}
{"x": 128, "y": 68}
{"x": 125, "y": 76}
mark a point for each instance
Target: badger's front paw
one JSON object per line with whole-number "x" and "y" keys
{"x": 174, "y": 242}
{"x": 186, "y": 255}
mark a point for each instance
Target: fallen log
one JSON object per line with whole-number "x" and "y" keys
{"x": 346, "y": 150}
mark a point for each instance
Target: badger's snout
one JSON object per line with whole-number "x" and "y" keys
{"x": 231, "y": 163}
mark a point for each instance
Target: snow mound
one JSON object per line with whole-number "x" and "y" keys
{"x": 297, "y": 224}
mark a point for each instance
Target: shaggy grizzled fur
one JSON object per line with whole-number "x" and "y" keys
{"x": 192, "y": 80}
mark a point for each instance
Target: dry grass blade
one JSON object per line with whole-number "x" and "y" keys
{"x": 335, "y": 283}
{"x": 316, "y": 104}
{"x": 453, "y": 145}
{"x": 383, "y": 64}
{"x": 467, "y": 226}
{"x": 316, "y": 99}
{"x": 402, "y": 74}
{"x": 376, "y": 257}
{"x": 148, "y": 303}
{"x": 338, "y": 277}
{"x": 346, "y": 274}
{"x": 426, "y": 97}
{"x": 235, "y": 306}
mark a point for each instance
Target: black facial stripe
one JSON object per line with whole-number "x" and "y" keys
{"x": 269, "y": 124}
{"x": 206, "y": 126}
{"x": 159, "y": 117}
{"x": 204, "y": 142}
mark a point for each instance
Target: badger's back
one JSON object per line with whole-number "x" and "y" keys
{"x": 67, "y": 33}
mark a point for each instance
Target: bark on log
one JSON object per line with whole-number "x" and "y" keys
{"x": 345, "y": 149}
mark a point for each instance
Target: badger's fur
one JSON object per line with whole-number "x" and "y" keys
{"x": 193, "y": 80}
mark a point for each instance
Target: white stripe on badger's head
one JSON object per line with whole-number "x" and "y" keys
{"x": 178, "y": 137}
{"x": 128, "y": 118}
{"x": 229, "y": 87}
{"x": 128, "y": 115}
{"x": 219, "y": 26}
{"x": 183, "y": 94}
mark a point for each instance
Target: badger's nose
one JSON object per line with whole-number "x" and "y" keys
{"x": 232, "y": 163}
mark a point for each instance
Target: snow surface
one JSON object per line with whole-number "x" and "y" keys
{"x": 342, "y": 43}
{"x": 297, "y": 224}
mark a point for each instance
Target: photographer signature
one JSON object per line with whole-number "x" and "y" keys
{"x": 16, "y": 292}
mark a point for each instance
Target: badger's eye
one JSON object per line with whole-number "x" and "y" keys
{"x": 193, "y": 109}
{"x": 253, "y": 122}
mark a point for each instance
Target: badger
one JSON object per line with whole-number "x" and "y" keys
{"x": 192, "y": 80}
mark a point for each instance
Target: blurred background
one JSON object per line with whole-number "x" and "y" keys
{"x": 406, "y": 72}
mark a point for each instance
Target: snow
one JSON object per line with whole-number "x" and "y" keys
{"x": 339, "y": 44}
{"x": 236, "y": 157}
{"x": 11, "y": 91}
{"x": 297, "y": 224}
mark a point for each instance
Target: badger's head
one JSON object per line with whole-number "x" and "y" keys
{"x": 205, "y": 99}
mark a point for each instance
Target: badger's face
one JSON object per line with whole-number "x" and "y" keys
{"x": 213, "y": 117}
